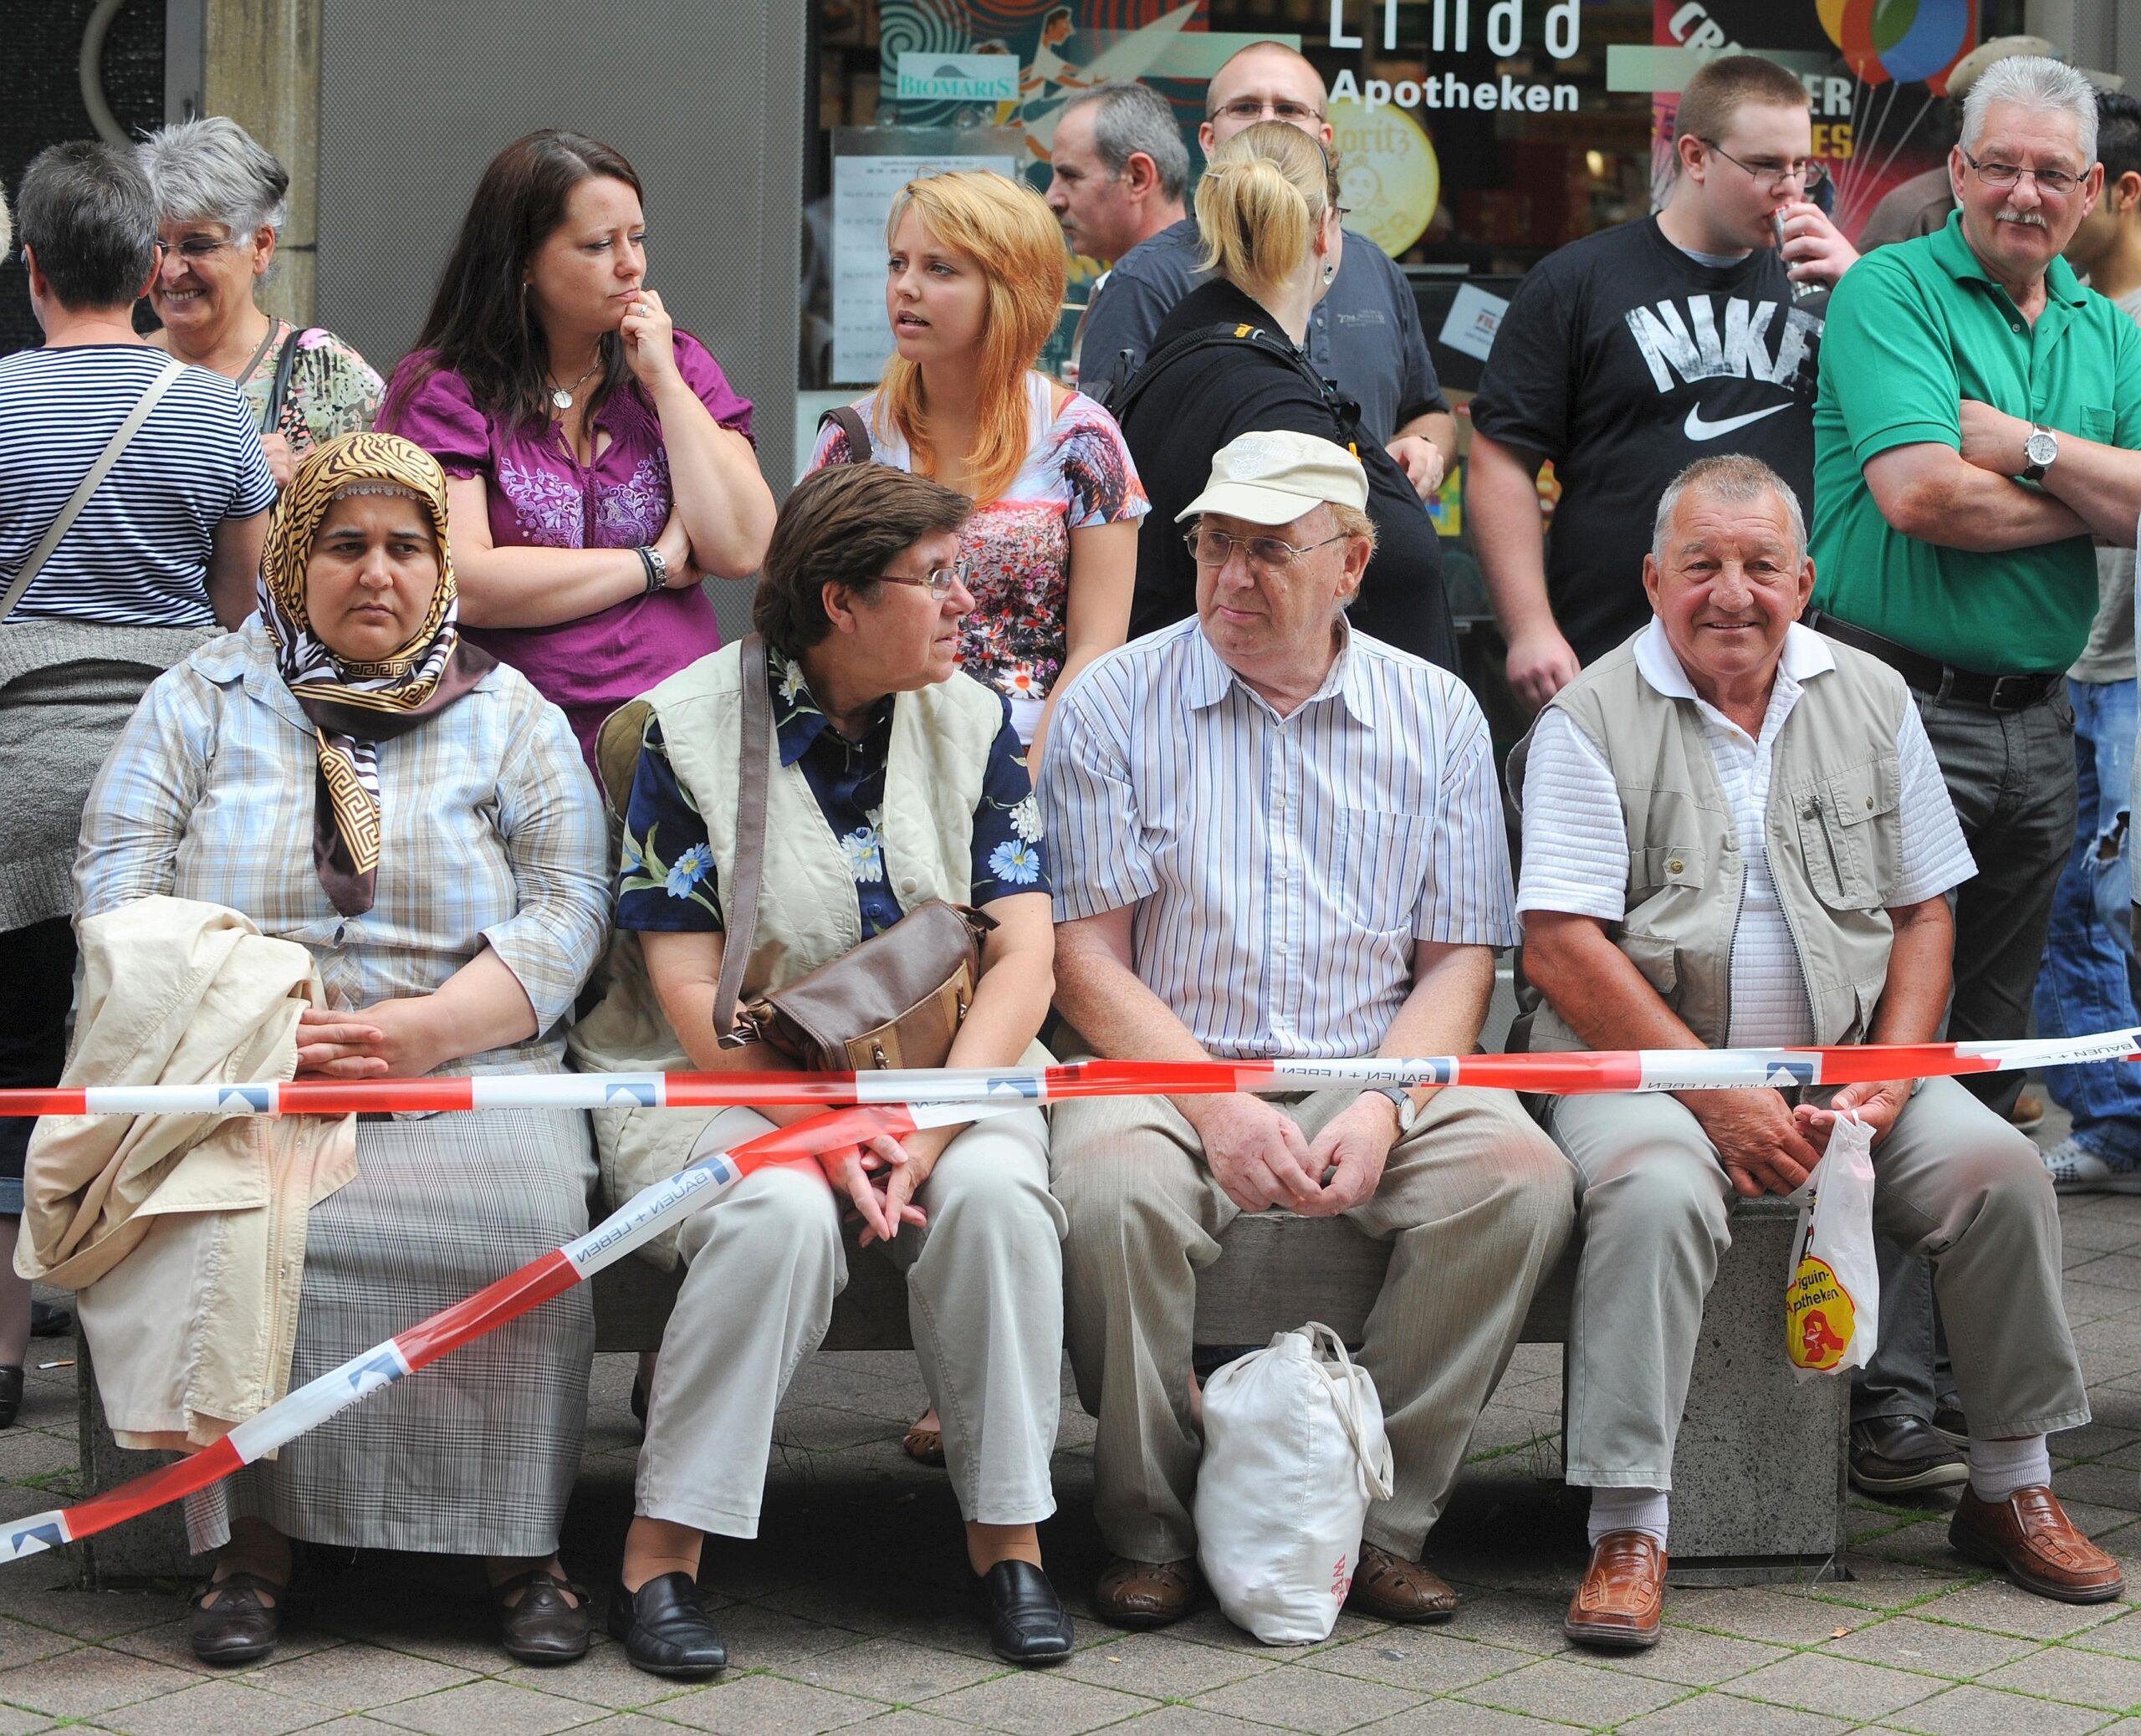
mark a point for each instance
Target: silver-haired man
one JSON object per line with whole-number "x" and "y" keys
{"x": 1735, "y": 833}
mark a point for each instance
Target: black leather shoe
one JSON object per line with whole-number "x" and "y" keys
{"x": 238, "y": 1627}
{"x": 1027, "y": 1622}
{"x": 11, "y": 1393}
{"x": 1903, "y": 1455}
{"x": 1951, "y": 1421}
{"x": 50, "y": 1319}
{"x": 544, "y": 1626}
{"x": 665, "y": 1629}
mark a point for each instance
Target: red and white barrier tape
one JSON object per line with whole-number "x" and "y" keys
{"x": 1553, "y": 1075}
{"x": 548, "y": 1275}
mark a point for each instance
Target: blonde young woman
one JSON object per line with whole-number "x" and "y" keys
{"x": 973, "y": 284}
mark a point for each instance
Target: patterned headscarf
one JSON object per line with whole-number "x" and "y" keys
{"x": 354, "y": 706}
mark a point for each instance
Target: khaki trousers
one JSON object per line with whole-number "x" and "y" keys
{"x": 1475, "y": 1204}
{"x": 1952, "y": 1181}
{"x": 985, "y": 1300}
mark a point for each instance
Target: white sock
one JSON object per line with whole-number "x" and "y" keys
{"x": 2000, "y": 1468}
{"x": 1628, "y": 1509}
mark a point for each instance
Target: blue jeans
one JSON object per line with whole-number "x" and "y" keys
{"x": 2087, "y": 982}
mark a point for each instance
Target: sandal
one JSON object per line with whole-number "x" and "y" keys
{"x": 924, "y": 1446}
{"x": 544, "y": 1627}
{"x": 239, "y": 1627}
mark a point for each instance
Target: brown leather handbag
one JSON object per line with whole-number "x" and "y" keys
{"x": 897, "y": 1000}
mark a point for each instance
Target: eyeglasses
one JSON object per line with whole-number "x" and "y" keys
{"x": 938, "y": 581}
{"x": 1776, "y": 177}
{"x": 196, "y": 247}
{"x": 1209, "y": 546}
{"x": 2053, "y": 183}
{"x": 1256, "y": 108}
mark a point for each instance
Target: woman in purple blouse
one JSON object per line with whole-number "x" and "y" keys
{"x": 598, "y": 464}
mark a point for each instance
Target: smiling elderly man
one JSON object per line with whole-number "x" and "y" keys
{"x": 1735, "y": 833}
{"x": 1277, "y": 837}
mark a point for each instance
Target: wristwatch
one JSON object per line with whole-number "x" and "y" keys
{"x": 1408, "y": 1107}
{"x": 2041, "y": 448}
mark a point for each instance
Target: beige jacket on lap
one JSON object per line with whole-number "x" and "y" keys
{"x": 183, "y": 1234}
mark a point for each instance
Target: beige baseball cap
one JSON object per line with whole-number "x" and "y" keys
{"x": 1974, "y": 65}
{"x": 1275, "y": 476}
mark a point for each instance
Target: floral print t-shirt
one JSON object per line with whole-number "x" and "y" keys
{"x": 667, "y": 883}
{"x": 332, "y": 389}
{"x": 1078, "y": 472}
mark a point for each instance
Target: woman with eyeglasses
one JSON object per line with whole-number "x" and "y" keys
{"x": 220, "y": 213}
{"x": 1228, "y": 361}
{"x": 891, "y": 778}
{"x": 974, "y": 286}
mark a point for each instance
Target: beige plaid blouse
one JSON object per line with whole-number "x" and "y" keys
{"x": 492, "y": 834}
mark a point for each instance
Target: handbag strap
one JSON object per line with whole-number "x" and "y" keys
{"x": 743, "y": 897}
{"x": 122, "y": 437}
{"x": 279, "y": 389}
{"x": 862, "y": 449}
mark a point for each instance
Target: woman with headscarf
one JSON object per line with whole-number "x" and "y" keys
{"x": 349, "y": 773}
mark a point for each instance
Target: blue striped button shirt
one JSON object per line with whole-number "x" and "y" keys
{"x": 1281, "y": 868}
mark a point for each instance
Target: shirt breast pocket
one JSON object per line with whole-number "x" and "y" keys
{"x": 1381, "y": 876}
{"x": 1851, "y": 834}
{"x": 2098, "y": 422}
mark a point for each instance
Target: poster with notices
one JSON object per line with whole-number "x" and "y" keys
{"x": 869, "y": 169}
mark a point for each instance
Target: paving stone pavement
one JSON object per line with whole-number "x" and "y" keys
{"x": 849, "y": 1613}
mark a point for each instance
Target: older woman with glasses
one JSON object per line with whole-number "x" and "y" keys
{"x": 892, "y": 778}
{"x": 220, "y": 214}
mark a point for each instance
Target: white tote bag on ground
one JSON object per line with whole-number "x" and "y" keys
{"x": 1294, "y": 1451}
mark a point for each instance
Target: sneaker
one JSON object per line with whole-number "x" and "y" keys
{"x": 2076, "y": 1169}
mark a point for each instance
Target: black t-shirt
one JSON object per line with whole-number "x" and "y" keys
{"x": 1208, "y": 397}
{"x": 1623, "y": 360}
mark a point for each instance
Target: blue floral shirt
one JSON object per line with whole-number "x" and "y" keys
{"x": 667, "y": 881}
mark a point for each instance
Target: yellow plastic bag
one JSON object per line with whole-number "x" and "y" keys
{"x": 1832, "y": 1294}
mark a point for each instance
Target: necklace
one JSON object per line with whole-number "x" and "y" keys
{"x": 561, "y": 399}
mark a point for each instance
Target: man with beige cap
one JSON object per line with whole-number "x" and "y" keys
{"x": 1278, "y": 838}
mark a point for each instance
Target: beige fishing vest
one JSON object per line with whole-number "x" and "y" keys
{"x": 808, "y": 914}
{"x": 1834, "y": 830}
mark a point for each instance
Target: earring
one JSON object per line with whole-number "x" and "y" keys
{"x": 1330, "y": 271}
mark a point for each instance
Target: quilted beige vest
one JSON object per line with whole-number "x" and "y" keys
{"x": 1834, "y": 831}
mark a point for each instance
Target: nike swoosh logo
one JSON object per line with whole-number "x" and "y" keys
{"x": 1695, "y": 428}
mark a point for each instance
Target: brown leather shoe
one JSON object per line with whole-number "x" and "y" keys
{"x": 2030, "y": 1534}
{"x": 1144, "y": 1594}
{"x": 1622, "y": 1597}
{"x": 1392, "y": 1589}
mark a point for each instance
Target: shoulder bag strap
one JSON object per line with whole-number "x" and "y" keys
{"x": 862, "y": 449}
{"x": 279, "y": 391}
{"x": 742, "y": 898}
{"x": 122, "y": 437}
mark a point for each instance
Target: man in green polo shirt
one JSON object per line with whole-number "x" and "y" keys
{"x": 1975, "y": 425}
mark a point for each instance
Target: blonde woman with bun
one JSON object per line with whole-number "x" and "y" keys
{"x": 974, "y": 285}
{"x": 1228, "y": 360}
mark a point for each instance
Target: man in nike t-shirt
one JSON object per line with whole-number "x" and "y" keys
{"x": 1627, "y": 356}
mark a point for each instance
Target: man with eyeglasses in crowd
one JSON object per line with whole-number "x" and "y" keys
{"x": 1365, "y": 337}
{"x": 1628, "y": 354}
{"x": 1976, "y": 427}
{"x": 1275, "y": 837}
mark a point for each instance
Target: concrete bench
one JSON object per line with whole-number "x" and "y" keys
{"x": 1736, "y": 1519}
